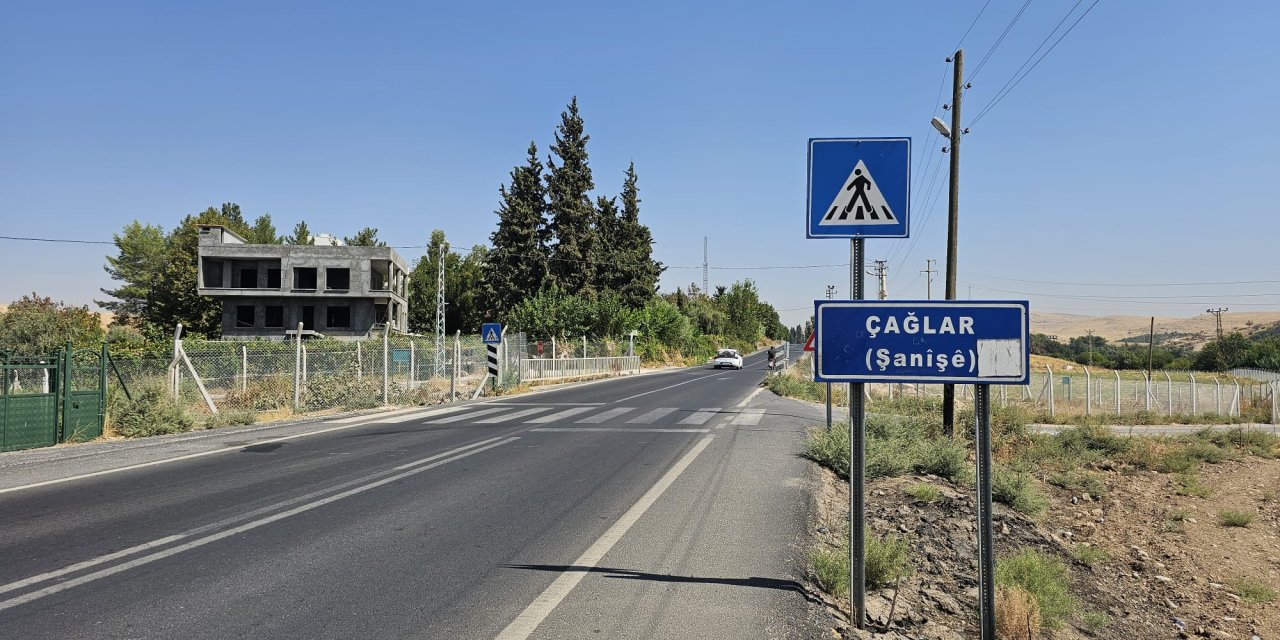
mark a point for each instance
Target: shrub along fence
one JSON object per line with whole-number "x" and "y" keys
{"x": 239, "y": 379}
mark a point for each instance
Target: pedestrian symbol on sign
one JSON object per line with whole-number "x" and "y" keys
{"x": 861, "y": 198}
{"x": 492, "y": 336}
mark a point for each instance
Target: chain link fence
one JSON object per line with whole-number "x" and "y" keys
{"x": 310, "y": 376}
{"x": 1082, "y": 391}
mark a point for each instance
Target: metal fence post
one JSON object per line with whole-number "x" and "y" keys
{"x": 584, "y": 346}
{"x": 244, "y": 369}
{"x": 359, "y": 361}
{"x": 1217, "y": 396}
{"x": 1169, "y": 381}
{"x": 304, "y": 363}
{"x": 386, "y": 364}
{"x": 1194, "y": 399}
{"x": 1235, "y": 402}
{"x": 1117, "y": 391}
{"x": 1088, "y": 392}
{"x": 1049, "y": 385}
{"x": 413, "y": 362}
{"x": 297, "y": 367}
{"x": 553, "y": 348}
{"x": 1275, "y": 404}
{"x": 1146, "y": 401}
{"x": 457, "y": 366}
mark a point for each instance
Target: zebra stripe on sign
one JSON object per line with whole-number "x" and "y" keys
{"x": 493, "y": 359}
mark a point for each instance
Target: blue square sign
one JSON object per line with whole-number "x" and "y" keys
{"x": 491, "y": 333}
{"x": 859, "y": 188}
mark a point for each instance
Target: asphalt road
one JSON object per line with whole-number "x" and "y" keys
{"x": 661, "y": 506}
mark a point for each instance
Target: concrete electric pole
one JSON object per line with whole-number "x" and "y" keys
{"x": 881, "y": 271}
{"x": 953, "y": 219}
{"x": 928, "y": 271}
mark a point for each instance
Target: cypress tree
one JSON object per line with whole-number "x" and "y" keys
{"x": 634, "y": 248}
{"x": 517, "y": 265}
{"x": 607, "y": 271}
{"x": 571, "y": 212}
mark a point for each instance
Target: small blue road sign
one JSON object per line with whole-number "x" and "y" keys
{"x": 859, "y": 187}
{"x": 962, "y": 341}
{"x": 491, "y": 333}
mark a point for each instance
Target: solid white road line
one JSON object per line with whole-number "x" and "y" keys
{"x": 618, "y": 430}
{"x": 559, "y": 415}
{"x": 419, "y": 467}
{"x": 747, "y": 400}
{"x": 748, "y": 418}
{"x": 537, "y": 611}
{"x": 701, "y": 416}
{"x": 199, "y": 454}
{"x": 90, "y": 563}
{"x": 607, "y": 415}
{"x": 515, "y": 415}
{"x": 651, "y": 417}
{"x": 466, "y": 416}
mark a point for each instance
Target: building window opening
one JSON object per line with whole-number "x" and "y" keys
{"x": 244, "y": 316}
{"x": 273, "y": 278}
{"x": 212, "y": 273}
{"x": 249, "y": 278}
{"x": 380, "y": 313}
{"x": 379, "y": 279}
{"x": 304, "y": 278}
{"x": 338, "y": 318}
{"x": 274, "y": 318}
{"x": 337, "y": 279}
{"x": 309, "y": 318}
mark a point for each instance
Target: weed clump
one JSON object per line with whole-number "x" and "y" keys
{"x": 1253, "y": 591}
{"x": 1045, "y": 578}
{"x": 1089, "y": 556}
{"x": 1017, "y": 614}
{"x": 924, "y": 492}
{"x": 1018, "y": 490}
{"x": 152, "y": 411}
{"x": 1230, "y": 518}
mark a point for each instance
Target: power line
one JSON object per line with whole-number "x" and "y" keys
{"x": 1135, "y": 299}
{"x": 971, "y": 25}
{"x": 995, "y": 101}
{"x": 983, "y": 62}
{"x": 56, "y": 240}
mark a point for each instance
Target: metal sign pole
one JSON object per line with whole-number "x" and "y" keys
{"x": 986, "y": 554}
{"x": 857, "y": 461}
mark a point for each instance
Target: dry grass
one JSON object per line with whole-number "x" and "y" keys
{"x": 1017, "y": 615}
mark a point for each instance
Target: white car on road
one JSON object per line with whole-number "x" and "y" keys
{"x": 727, "y": 358}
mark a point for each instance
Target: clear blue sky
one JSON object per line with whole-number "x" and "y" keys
{"x": 1143, "y": 149}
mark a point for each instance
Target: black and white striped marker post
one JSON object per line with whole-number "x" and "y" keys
{"x": 493, "y": 362}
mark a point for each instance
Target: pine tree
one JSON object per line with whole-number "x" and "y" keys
{"x": 634, "y": 248}
{"x": 301, "y": 234}
{"x": 608, "y": 271}
{"x": 366, "y": 237}
{"x": 142, "y": 257}
{"x": 517, "y": 265}
{"x": 571, "y": 212}
{"x": 263, "y": 231}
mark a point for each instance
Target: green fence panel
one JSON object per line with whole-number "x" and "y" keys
{"x": 30, "y": 420}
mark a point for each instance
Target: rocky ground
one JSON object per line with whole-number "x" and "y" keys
{"x": 1170, "y": 569}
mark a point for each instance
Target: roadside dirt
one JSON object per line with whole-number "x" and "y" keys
{"x": 1172, "y": 569}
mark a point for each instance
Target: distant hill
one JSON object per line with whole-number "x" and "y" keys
{"x": 1195, "y": 331}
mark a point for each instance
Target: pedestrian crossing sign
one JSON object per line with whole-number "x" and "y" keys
{"x": 859, "y": 187}
{"x": 491, "y": 333}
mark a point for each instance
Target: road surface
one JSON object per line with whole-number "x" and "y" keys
{"x": 669, "y": 505}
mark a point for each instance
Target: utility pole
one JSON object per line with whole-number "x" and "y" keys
{"x": 831, "y": 291}
{"x": 706, "y": 287}
{"x": 1090, "y": 332}
{"x": 953, "y": 218}
{"x": 1217, "y": 313}
{"x": 881, "y": 271}
{"x": 1151, "y": 343}
{"x": 444, "y": 250}
{"x": 928, "y": 272}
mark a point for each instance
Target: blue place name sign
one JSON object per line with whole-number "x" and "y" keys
{"x": 964, "y": 342}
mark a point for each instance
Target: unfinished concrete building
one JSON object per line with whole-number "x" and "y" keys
{"x": 341, "y": 292}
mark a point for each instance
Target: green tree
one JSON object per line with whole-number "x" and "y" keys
{"x": 37, "y": 326}
{"x": 176, "y": 298}
{"x": 301, "y": 234}
{"x": 263, "y": 231}
{"x": 366, "y": 237}
{"x": 463, "y": 290}
{"x": 569, "y": 203}
{"x": 741, "y": 304}
{"x": 608, "y": 270}
{"x": 141, "y": 259}
{"x": 517, "y": 265}
{"x": 633, "y": 248}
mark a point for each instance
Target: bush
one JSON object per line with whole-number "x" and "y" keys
{"x": 1089, "y": 555}
{"x": 263, "y": 394}
{"x": 1230, "y": 518}
{"x": 1017, "y": 614}
{"x": 924, "y": 492}
{"x": 1253, "y": 591}
{"x": 887, "y": 560}
{"x": 230, "y": 419}
{"x": 341, "y": 392}
{"x": 1045, "y": 578}
{"x": 1188, "y": 484}
{"x": 1094, "y": 621}
{"x": 829, "y": 448}
{"x": 831, "y": 570}
{"x": 1079, "y": 481}
{"x": 1018, "y": 490}
{"x": 151, "y": 412}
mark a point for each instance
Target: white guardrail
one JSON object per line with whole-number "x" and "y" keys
{"x": 552, "y": 369}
